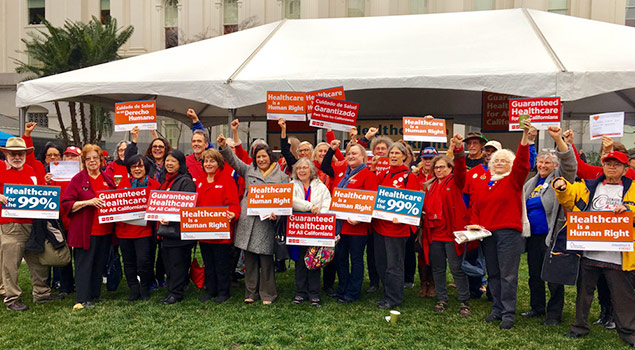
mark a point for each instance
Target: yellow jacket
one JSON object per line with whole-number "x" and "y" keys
{"x": 575, "y": 197}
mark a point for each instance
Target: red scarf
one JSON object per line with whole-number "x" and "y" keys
{"x": 168, "y": 180}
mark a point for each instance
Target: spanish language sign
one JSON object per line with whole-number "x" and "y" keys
{"x": 123, "y": 205}
{"x": 600, "y": 230}
{"x": 266, "y": 199}
{"x": 334, "y": 114}
{"x": 31, "y": 202}
{"x": 606, "y": 124}
{"x": 166, "y": 205}
{"x": 64, "y": 170}
{"x": 286, "y": 105}
{"x": 543, "y": 111}
{"x": 398, "y": 204}
{"x": 136, "y": 113}
{"x": 311, "y": 230}
{"x": 205, "y": 223}
{"x": 351, "y": 204}
{"x": 382, "y": 164}
{"x": 422, "y": 129}
{"x": 336, "y": 93}
{"x": 496, "y": 111}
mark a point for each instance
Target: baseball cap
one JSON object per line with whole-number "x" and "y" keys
{"x": 428, "y": 152}
{"x": 494, "y": 144}
{"x": 73, "y": 150}
{"x": 619, "y": 156}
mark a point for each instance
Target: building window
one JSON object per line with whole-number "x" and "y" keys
{"x": 104, "y": 9}
{"x": 559, "y": 6}
{"x": 356, "y": 8}
{"x": 41, "y": 119}
{"x": 171, "y": 23}
{"x": 481, "y": 5}
{"x": 292, "y": 9}
{"x": 36, "y": 11}
{"x": 418, "y": 6}
{"x": 230, "y": 16}
{"x": 630, "y": 13}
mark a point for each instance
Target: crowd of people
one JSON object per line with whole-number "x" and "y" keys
{"x": 476, "y": 182}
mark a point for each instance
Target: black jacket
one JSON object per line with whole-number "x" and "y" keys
{"x": 40, "y": 233}
{"x": 171, "y": 233}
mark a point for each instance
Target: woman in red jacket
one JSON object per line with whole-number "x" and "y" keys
{"x": 117, "y": 169}
{"x": 390, "y": 237}
{"x": 445, "y": 212}
{"x": 354, "y": 175}
{"x": 136, "y": 238}
{"x": 218, "y": 189}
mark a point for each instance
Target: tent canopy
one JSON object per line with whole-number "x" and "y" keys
{"x": 396, "y": 65}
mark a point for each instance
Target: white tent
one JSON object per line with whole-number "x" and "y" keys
{"x": 393, "y": 66}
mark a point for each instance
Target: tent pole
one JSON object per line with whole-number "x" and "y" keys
{"x": 22, "y": 119}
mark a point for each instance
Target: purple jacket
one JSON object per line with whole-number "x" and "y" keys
{"x": 79, "y": 189}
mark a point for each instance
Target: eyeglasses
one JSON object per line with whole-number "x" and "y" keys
{"x": 439, "y": 167}
{"x": 158, "y": 146}
{"x": 136, "y": 166}
{"x": 90, "y": 159}
{"x": 613, "y": 164}
{"x": 53, "y": 155}
{"x": 17, "y": 153}
{"x": 303, "y": 150}
{"x": 499, "y": 160}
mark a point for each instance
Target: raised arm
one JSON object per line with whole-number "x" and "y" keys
{"x": 327, "y": 162}
{"x": 285, "y": 148}
{"x": 568, "y": 165}
{"x": 197, "y": 125}
{"x": 233, "y": 161}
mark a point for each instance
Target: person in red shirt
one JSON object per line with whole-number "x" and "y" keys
{"x": 498, "y": 208}
{"x": 136, "y": 238}
{"x": 217, "y": 189}
{"x": 117, "y": 169}
{"x": 90, "y": 239}
{"x": 14, "y": 233}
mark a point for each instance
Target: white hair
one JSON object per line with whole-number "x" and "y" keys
{"x": 500, "y": 154}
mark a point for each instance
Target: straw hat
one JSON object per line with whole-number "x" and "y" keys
{"x": 16, "y": 144}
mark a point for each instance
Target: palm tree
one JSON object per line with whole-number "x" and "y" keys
{"x": 73, "y": 46}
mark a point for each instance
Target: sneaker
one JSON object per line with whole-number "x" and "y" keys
{"x": 315, "y": 302}
{"x": 440, "y": 306}
{"x": 506, "y": 324}
{"x": 48, "y": 298}
{"x": 464, "y": 310}
{"x": 17, "y": 305}
{"x": 298, "y": 300}
{"x": 78, "y": 306}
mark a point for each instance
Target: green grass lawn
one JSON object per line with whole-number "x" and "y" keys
{"x": 118, "y": 324}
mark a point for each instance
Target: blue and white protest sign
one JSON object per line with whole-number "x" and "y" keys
{"x": 403, "y": 205}
{"x": 31, "y": 202}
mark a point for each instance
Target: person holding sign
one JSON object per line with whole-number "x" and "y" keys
{"x": 254, "y": 236}
{"x": 445, "y": 212}
{"x": 156, "y": 153}
{"x": 217, "y": 189}
{"x": 545, "y": 219}
{"x": 90, "y": 239}
{"x": 176, "y": 253}
{"x": 309, "y": 195}
{"x": 498, "y": 208}
{"x": 354, "y": 174}
{"x": 612, "y": 192}
{"x": 390, "y": 237}
{"x": 136, "y": 239}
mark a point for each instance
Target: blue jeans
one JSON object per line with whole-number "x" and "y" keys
{"x": 350, "y": 281}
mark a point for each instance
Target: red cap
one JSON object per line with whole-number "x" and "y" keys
{"x": 619, "y": 156}
{"x": 73, "y": 150}
{"x": 104, "y": 153}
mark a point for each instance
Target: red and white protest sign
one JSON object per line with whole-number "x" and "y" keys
{"x": 311, "y": 230}
{"x": 336, "y": 93}
{"x": 123, "y": 205}
{"x": 352, "y": 204}
{"x": 136, "y": 113}
{"x": 423, "y": 129}
{"x": 382, "y": 164}
{"x": 600, "y": 230}
{"x": 286, "y": 105}
{"x": 496, "y": 111}
{"x": 334, "y": 114}
{"x": 543, "y": 112}
{"x": 266, "y": 199}
{"x": 166, "y": 205}
{"x": 205, "y": 223}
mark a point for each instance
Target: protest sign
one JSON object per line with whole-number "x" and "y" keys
{"x": 266, "y": 199}
{"x": 600, "y": 230}
{"x": 495, "y": 111}
{"x": 606, "y": 124}
{"x": 403, "y": 205}
{"x": 286, "y": 105}
{"x": 136, "y": 113}
{"x": 123, "y": 205}
{"x": 382, "y": 164}
{"x": 334, "y": 114}
{"x": 422, "y": 129}
{"x": 336, "y": 93}
{"x": 356, "y": 205}
{"x": 31, "y": 202}
{"x": 205, "y": 223}
{"x": 311, "y": 230}
{"x": 166, "y": 205}
{"x": 543, "y": 111}
{"x": 63, "y": 170}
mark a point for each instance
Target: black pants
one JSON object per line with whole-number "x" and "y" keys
{"x": 604, "y": 295}
{"x": 217, "y": 259}
{"x": 328, "y": 275}
{"x": 89, "y": 266}
{"x": 307, "y": 282}
{"x": 536, "y": 250}
{"x": 67, "y": 281}
{"x": 410, "y": 260}
{"x": 138, "y": 258}
{"x": 389, "y": 257}
{"x": 159, "y": 269}
{"x": 177, "y": 262}
{"x": 373, "y": 276}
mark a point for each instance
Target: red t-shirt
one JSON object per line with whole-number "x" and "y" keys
{"x": 25, "y": 176}
{"x": 99, "y": 184}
